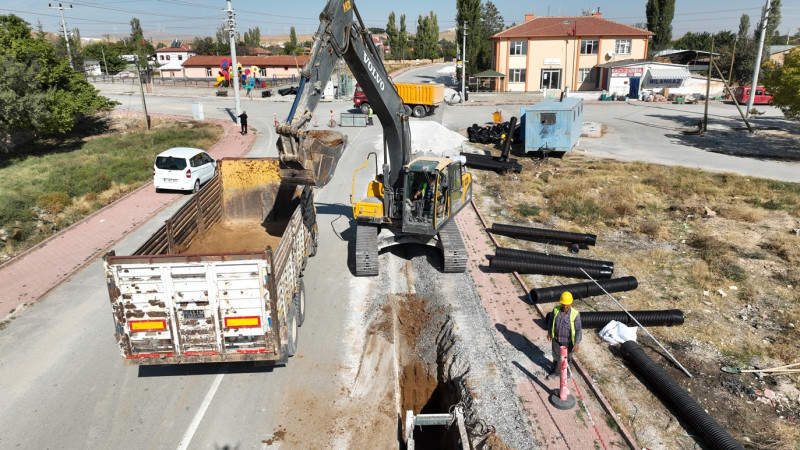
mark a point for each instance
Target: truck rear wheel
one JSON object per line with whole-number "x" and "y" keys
{"x": 365, "y": 108}
{"x": 291, "y": 333}
{"x": 299, "y": 302}
{"x": 418, "y": 111}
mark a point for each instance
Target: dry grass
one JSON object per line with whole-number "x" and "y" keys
{"x": 719, "y": 247}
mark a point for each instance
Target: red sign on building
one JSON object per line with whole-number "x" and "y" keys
{"x": 627, "y": 72}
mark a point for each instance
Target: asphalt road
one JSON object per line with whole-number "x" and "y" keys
{"x": 62, "y": 381}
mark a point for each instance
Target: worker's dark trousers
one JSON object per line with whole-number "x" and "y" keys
{"x": 556, "y": 346}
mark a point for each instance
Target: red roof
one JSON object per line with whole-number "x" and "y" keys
{"x": 563, "y": 26}
{"x": 181, "y": 49}
{"x": 247, "y": 61}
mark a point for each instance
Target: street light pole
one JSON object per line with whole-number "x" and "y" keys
{"x": 231, "y": 21}
{"x": 464, "y": 63}
{"x": 64, "y": 29}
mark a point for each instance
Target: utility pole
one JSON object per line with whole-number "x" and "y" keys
{"x": 103, "y": 51}
{"x": 464, "y": 64}
{"x": 141, "y": 90}
{"x": 64, "y": 29}
{"x": 231, "y": 21}
{"x": 754, "y": 84}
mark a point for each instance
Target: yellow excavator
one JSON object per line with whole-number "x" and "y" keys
{"x": 408, "y": 200}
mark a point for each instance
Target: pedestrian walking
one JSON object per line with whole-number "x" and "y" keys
{"x": 243, "y": 121}
{"x": 369, "y": 117}
{"x": 564, "y": 330}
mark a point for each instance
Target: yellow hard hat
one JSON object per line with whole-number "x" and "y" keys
{"x": 566, "y": 298}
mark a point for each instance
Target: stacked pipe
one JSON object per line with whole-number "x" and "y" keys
{"x": 704, "y": 425}
{"x": 599, "y": 319}
{"x": 583, "y": 290}
{"x": 491, "y": 134}
{"x": 490, "y": 162}
{"x": 574, "y": 271}
{"x": 508, "y": 139}
{"x": 509, "y": 253}
{"x": 544, "y": 235}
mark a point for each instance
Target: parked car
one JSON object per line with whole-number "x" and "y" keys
{"x": 762, "y": 97}
{"x": 183, "y": 169}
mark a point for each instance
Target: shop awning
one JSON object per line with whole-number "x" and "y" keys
{"x": 669, "y": 73}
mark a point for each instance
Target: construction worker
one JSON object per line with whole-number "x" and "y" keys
{"x": 564, "y": 330}
{"x": 369, "y": 117}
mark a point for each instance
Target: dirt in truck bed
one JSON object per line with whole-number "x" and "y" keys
{"x": 230, "y": 237}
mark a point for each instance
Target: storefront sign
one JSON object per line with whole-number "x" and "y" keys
{"x": 552, "y": 62}
{"x": 627, "y": 72}
{"x": 666, "y": 82}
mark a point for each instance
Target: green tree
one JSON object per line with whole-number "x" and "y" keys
{"x": 290, "y": 48}
{"x": 39, "y": 93}
{"x": 402, "y": 40}
{"x": 252, "y": 37}
{"x": 491, "y": 24}
{"x": 659, "y": 20}
{"x": 745, "y": 55}
{"x": 448, "y": 49}
{"x": 469, "y": 11}
{"x": 205, "y": 46}
{"x": 376, "y": 30}
{"x": 392, "y": 35}
{"x": 772, "y": 36}
{"x": 426, "y": 43}
{"x": 113, "y": 57}
{"x": 783, "y": 81}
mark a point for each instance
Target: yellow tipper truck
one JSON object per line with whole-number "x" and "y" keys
{"x": 220, "y": 281}
{"x": 420, "y": 99}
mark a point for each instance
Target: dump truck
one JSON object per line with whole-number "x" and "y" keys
{"x": 421, "y": 99}
{"x": 221, "y": 279}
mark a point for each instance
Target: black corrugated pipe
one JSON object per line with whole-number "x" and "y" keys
{"x": 599, "y": 319}
{"x": 551, "y": 259}
{"x": 507, "y": 264}
{"x": 583, "y": 290}
{"x": 545, "y": 235}
{"x": 671, "y": 393}
{"x": 507, "y": 142}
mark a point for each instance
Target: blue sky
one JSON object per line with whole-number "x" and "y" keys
{"x": 202, "y": 17}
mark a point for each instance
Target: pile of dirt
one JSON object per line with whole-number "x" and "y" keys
{"x": 232, "y": 237}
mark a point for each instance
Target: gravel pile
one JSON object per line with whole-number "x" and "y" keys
{"x": 431, "y": 138}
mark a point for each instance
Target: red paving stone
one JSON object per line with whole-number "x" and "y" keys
{"x": 30, "y": 275}
{"x": 502, "y": 299}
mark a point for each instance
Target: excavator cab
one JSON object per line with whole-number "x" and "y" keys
{"x": 433, "y": 191}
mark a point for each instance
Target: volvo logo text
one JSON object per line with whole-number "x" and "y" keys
{"x": 374, "y": 71}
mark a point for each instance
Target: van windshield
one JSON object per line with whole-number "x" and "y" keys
{"x": 170, "y": 163}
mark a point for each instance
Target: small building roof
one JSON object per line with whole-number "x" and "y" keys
{"x": 489, "y": 74}
{"x": 780, "y": 48}
{"x": 669, "y": 73}
{"x": 175, "y": 47}
{"x": 570, "y": 26}
{"x": 172, "y": 65}
{"x": 246, "y": 61}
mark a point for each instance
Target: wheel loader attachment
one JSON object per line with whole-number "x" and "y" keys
{"x": 309, "y": 157}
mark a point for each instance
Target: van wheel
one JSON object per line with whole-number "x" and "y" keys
{"x": 291, "y": 333}
{"x": 365, "y": 108}
{"x": 196, "y": 186}
{"x": 159, "y": 190}
{"x": 419, "y": 111}
{"x": 299, "y": 302}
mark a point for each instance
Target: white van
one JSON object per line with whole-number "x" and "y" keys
{"x": 183, "y": 169}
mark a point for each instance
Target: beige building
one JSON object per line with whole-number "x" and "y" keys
{"x": 777, "y": 53}
{"x": 563, "y": 52}
{"x": 270, "y": 67}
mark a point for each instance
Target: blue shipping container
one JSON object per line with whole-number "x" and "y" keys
{"x": 552, "y": 125}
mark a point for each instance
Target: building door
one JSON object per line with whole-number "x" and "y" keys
{"x": 634, "y": 87}
{"x": 551, "y": 79}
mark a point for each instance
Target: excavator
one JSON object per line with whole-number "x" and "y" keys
{"x": 408, "y": 200}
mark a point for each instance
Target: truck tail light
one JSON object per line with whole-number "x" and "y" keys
{"x": 243, "y": 322}
{"x": 147, "y": 325}
{"x": 188, "y": 173}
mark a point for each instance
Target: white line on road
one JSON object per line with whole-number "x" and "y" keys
{"x": 187, "y": 437}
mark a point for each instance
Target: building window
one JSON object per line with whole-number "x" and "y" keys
{"x": 589, "y": 47}
{"x": 586, "y": 74}
{"x": 208, "y": 72}
{"x": 180, "y": 57}
{"x": 551, "y": 78}
{"x": 263, "y": 72}
{"x": 548, "y": 118}
{"x": 623, "y": 47}
{"x": 161, "y": 57}
{"x": 167, "y": 57}
{"x": 519, "y": 47}
{"x": 516, "y": 76}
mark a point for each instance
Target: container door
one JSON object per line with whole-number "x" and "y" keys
{"x": 634, "y": 88}
{"x": 193, "y": 294}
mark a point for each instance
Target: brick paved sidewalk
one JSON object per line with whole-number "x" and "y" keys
{"x": 30, "y": 275}
{"x": 520, "y": 325}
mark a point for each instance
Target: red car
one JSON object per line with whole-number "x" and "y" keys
{"x": 762, "y": 97}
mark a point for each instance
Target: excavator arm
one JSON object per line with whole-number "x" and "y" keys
{"x": 310, "y": 157}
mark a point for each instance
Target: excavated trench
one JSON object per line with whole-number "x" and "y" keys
{"x": 446, "y": 354}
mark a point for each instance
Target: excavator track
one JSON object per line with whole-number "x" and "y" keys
{"x": 453, "y": 250}
{"x": 367, "y": 250}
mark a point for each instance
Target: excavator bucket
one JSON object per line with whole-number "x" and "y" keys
{"x": 320, "y": 151}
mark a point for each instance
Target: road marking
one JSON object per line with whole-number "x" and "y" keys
{"x": 187, "y": 437}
